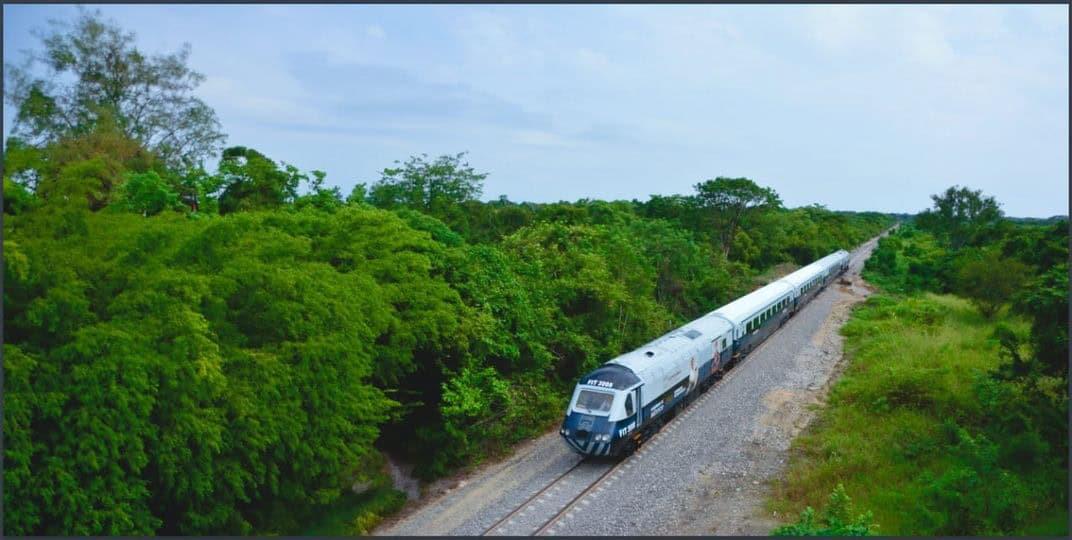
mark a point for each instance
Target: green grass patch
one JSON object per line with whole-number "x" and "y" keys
{"x": 903, "y": 429}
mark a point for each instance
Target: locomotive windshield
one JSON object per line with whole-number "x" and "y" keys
{"x": 594, "y": 401}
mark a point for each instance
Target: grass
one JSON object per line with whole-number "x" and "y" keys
{"x": 912, "y": 365}
{"x": 356, "y": 514}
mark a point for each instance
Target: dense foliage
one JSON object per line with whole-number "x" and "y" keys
{"x": 233, "y": 351}
{"x": 964, "y": 401}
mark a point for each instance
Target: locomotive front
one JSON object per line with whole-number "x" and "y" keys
{"x": 602, "y": 412}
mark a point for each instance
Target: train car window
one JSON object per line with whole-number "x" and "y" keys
{"x": 629, "y": 405}
{"x": 594, "y": 401}
{"x": 723, "y": 343}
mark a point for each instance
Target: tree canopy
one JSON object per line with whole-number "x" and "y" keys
{"x": 728, "y": 201}
{"x": 430, "y": 186}
{"x": 961, "y": 215}
{"x": 93, "y": 69}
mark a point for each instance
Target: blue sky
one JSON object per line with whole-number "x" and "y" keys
{"x": 852, "y": 107}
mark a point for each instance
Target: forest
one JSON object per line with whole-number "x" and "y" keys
{"x": 958, "y": 375}
{"x": 234, "y": 349}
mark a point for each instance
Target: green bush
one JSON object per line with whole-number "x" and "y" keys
{"x": 384, "y": 504}
{"x": 836, "y": 520}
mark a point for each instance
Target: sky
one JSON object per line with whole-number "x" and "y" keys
{"x": 852, "y": 107}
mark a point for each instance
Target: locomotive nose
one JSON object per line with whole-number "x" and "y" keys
{"x": 580, "y": 439}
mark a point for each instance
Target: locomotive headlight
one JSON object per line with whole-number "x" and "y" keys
{"x": 565, "y": 431}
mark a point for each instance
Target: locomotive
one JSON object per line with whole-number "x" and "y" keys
{"x": 626, "y": 400}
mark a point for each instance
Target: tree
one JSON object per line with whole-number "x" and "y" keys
{"x": 23, "y": 163}
{"x": 988, "y": 280}
{"x": 960, "y": 215}
{"x": 17, "y": 199}
{"x": 93, "y": 68}
{"x": 1045, "y": 301}
{"x": 251, "y": 181}
{"x": 147, "y": 194}
{"x": 729, "y": 201}
{"x": 91, "y": 165}
{"x": 425, "y": 185}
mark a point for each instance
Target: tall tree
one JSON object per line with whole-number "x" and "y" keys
{"x": 428, "y": 185}
{"x": 960, "y": 215}
{"x": 93, "y": 68}
{"x": 729, "y": 201}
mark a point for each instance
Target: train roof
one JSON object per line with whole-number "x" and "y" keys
{"x": 834, "y": 257}
{"x": 741, "y": 309}
{"x": 806, "y": 273}
{"x": 618, "y": 376}
{"x": 656, "y": 352}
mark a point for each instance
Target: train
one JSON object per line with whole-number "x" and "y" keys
{"x": 623, "y": 402}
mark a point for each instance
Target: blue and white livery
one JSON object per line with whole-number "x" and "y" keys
{"x": 623, "y": 402}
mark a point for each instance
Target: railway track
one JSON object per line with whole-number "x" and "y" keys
{"x": 560, "y": 498}
{"x": 544, "y": 506}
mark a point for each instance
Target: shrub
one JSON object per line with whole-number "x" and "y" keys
{"x": 835, "y": 520}
{"x": 385, "y": 503}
